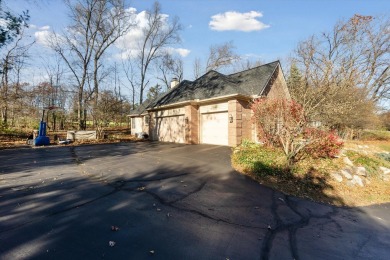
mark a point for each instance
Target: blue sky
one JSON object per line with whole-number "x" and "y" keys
{"x": 277, "y": 25}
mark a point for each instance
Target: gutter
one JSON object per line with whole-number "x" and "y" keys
{"x": 200, "y": 102}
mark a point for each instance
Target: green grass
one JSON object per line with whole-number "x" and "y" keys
{"x": 260, "y": 160}
{"x": 385, "y": 147}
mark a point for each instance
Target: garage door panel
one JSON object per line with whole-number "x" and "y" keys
{"x": 171, "y": 129}
{"x": 215, "y": 128}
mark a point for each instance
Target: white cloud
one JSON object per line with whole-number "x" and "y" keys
{"x": 44, "y": 28}
{"x": 235, "y": 21}
{"x": 182, "y": 52}
{"x": 130, "y": 43}
{"x": 42, "y": 37}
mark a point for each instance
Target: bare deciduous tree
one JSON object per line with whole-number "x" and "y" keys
{"x": 11, "y": 64}
{"x": 342, "y": 73}
{"x": 158, "y": 34}
{"x": 220, "y": 56}
{"x": 96, "y": 25}
{"x": 170, "y": 67}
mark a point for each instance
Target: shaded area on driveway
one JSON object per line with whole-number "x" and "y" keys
{"x": 181, "y": 201}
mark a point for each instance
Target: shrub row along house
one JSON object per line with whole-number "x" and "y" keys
{"x": 213, "y": 109}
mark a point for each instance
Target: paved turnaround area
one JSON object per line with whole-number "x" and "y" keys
{"x": 168, "y": 201}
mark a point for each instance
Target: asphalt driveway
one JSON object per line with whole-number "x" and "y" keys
{"x": 168, "y": 201}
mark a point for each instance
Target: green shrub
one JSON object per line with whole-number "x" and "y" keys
{"x": 384, "y": 156}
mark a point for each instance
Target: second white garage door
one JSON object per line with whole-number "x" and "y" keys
{"x": 170, "y": 129}
{"x": 214, "y": 129}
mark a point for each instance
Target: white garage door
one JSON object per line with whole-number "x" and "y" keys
{"x": 215, "y": 128}
{"x": 170, "y": 129}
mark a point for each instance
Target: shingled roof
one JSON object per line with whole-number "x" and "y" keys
{"x": 214, "y": 84}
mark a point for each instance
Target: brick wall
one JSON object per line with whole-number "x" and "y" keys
{"x": 277, "y": 87}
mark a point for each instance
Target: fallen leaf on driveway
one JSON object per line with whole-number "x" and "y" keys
{"x": 151, "y": 251}
{"x": 111, "y": 243}
{"x": 141, "y": 188}
{"x": 158, "y": 209}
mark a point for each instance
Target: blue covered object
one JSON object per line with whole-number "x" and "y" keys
{"x": 42, "y": 139}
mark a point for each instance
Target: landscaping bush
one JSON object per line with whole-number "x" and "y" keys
{"x": 322, "y": 144}
{"x": 384, "y": 156}
{"x": 282, "y": 123}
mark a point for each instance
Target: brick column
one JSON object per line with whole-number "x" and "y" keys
{"x": 152, "y": 126}
{"x": 235, "y": 127}
{"x": 241, "y": 127}
{"x": 192, "y": 124}
{"x": 246, "y": 116}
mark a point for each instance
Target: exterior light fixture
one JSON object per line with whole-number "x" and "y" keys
{"x": 186, "y": 120}
{"x": 230, "y": 118}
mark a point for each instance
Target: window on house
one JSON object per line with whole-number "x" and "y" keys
{"x": 133, "y": 125}
{"x": 146, "y": 119}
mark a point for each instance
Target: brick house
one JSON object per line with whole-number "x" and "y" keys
{"x": 213, "y": 109}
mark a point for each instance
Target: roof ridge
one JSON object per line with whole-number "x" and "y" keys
{"x": 207, "y": 73}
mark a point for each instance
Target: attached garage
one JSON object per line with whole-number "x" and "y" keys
{"x": 171, "y": 129}
{"x": 214, "y": 124}
{"x": 170, "y": 126}
{"x": 215, "y": 128}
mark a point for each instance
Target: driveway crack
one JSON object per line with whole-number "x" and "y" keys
{"x": 291, "y": 227}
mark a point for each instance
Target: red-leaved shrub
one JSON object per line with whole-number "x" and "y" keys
{"x": 322, "y": 144}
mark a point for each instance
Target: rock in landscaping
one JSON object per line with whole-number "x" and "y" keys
{"x": 386, "y": 171}
{"x": 346, "y": 174}
{"x": 361, "y": 171}
{"x": 337, "y": 177}
{"x": 357, "y": 180}
{"x": 347, "y": 161}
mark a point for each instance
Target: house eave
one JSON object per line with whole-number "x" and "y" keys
{"x": 201, "y": 102}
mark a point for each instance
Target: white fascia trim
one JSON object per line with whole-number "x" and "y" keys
{"x": 200, "y": 102}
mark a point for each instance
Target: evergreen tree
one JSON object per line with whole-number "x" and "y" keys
{"x": 11, "y": 25}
